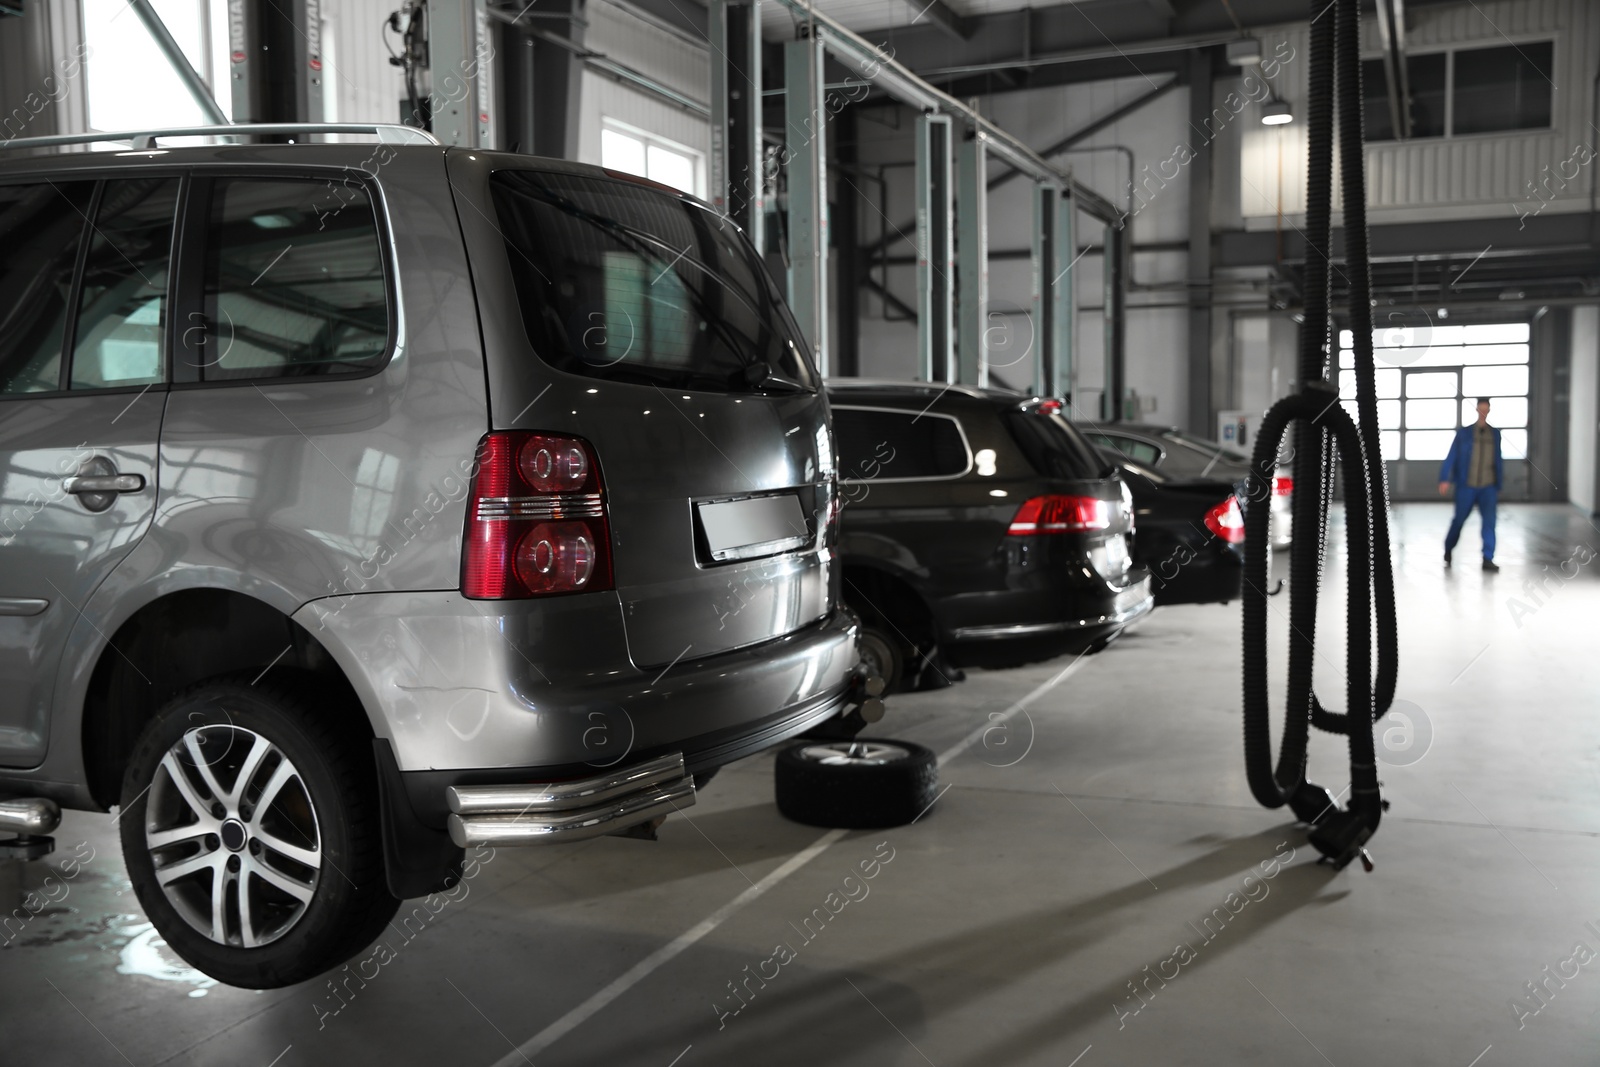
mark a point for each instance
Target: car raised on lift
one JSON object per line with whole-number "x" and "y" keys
{"x": 362, "y": 504}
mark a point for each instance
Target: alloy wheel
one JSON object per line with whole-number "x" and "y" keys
{"x": 233, "y": 835}
{"x": 858, "y": 753}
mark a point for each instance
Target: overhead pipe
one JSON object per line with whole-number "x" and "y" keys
{"x": 905, "y": 85}
{"x": 180, "y": 63}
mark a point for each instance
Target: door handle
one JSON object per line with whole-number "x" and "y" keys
{"x": 107, "y": 483}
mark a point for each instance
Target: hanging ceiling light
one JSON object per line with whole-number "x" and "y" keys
{"x": 1276, "y": 113}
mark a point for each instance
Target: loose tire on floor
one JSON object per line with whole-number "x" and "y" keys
{"x": 855, "y": 785}
{"x": 250, "y": 830}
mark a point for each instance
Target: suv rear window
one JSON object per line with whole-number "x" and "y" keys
{"x": 889, "y": 445}
{"x": 1054, "y": 446}
{"x": 622, "y": 282}
{"x": 294, "y": 280}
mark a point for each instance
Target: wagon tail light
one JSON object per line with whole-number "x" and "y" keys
{"x": 1226, "y": 521}
{"x": 536, "y": 519}
{"x": 1060, "y": 514}
{"x": 1282, "y": 486}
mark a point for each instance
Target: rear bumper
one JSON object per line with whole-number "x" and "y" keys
{"x": 473, "y": 692}
{"x": 568, "y": 811}
{"x": 1001, "y": 631}
{"x": 1211, "y": 573}
{"x": 1068, "y": 597}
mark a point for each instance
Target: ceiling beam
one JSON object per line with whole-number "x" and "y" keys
{"x": 942, "y": 16}
{"x": 1084, "y": 132}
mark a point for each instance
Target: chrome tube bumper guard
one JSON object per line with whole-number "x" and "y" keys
{"x": 554, "y": 812}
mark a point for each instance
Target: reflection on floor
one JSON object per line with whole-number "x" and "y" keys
{"x": 1096, "y": 887}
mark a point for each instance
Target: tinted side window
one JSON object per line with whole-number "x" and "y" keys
{"x": 1054, "y": 446}
{"x": 1139, "y": 451}
{"x": 896, "y": 444}
{"x": 122, "y": 306}
{"x": 40, "y": 229}
{"x": 294, "y": 280}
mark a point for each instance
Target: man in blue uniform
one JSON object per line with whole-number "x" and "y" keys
{"x": 1475, "y": 470}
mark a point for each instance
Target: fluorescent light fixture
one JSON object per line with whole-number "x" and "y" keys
{"x": 1245, "y": 52}
{"x": 1276, "y": 113}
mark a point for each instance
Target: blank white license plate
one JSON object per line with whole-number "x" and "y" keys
{"x": 755, "y": 526}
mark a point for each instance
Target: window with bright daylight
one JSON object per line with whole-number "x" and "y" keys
{"x": 636, "y": 152}
{"x": 1429, "y": 380}
{"x": 125, "y": 54}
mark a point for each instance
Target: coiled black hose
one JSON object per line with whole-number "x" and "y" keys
{"x": 1322, "y": 427}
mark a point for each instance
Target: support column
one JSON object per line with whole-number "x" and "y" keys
{"x": 935, "y": 250}
{"x": 276, "y": 60}
{"x": 846, "y": 239}
{"x": 972, "y": 257}
{"x": 514, "y": 57}
{"x": 461, "y": 75}
{"x": 1052, "y": 289}
{"x": 736, "y": 179}
{"x": 1064, "y": 291}
{"x": 805, "y": 138}
{"x": 1200, "y": 416}
{"x": 1116, "y": 252}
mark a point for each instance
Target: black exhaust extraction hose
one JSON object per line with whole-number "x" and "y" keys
{"x": 1325, "y": 430}
{"x": 1311, "y": 449}
{"x": 1353, "y": 178}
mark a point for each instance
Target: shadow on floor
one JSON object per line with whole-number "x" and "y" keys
{"x": 812, "y": 1020}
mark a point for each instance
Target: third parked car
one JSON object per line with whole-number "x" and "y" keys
{"x": 1181, "y": 457}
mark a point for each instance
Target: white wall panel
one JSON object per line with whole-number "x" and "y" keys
{"x": 624, "y": 36}
{"x": 364, "y": 87}
{"x": 1471, "y": 176}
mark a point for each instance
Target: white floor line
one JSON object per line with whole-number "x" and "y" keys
{"x": 653, "y": 962}
{"x": 1014, "y": 710}
{"x": 642, "y": 970}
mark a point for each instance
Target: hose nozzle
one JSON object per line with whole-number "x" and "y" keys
{"x": 1340, "y": 835}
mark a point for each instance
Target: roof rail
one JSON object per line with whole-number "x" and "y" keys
{"x": 386, "y": 132}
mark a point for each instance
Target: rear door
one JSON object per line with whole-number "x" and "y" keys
{"x": 909, "y": 506}
{"x": 643, "y": 322}
{"x": 83, "y": 371}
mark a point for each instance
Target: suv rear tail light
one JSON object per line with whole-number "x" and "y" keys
{"x": 1060, "y": 514}
{"x": 1226, "y": 521}
{"x": 536, "y": 519}
{"x": 1051, "y": 407}
{"x": 1282, "y": 486}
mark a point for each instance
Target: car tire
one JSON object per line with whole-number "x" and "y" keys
{"x": 300, "y": 872}
{"x": 855, "y": 785}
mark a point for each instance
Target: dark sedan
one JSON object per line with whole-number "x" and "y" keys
{"x": 978, "y": 527}
{"x": 1183, "y": 457}
{"x": 1190, "y": 534}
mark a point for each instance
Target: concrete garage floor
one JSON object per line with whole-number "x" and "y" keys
{"x": 1104, "y": 823}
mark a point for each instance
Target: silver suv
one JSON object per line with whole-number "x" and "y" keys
{"x": 363, "y": 503}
